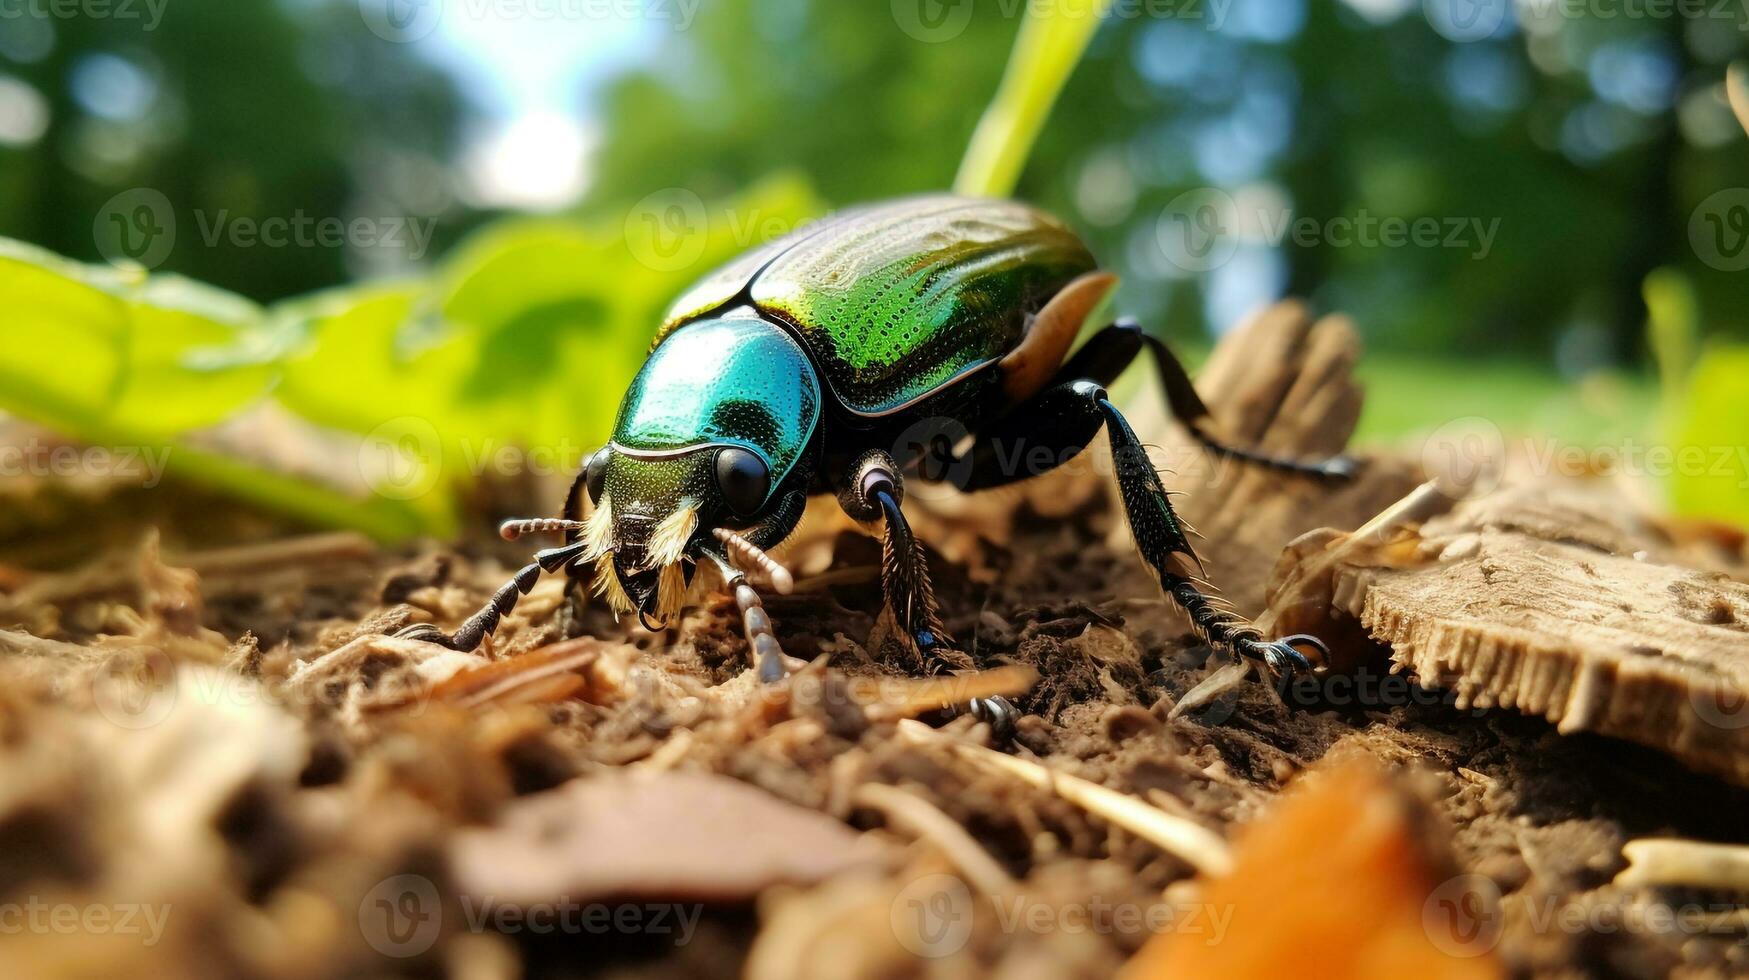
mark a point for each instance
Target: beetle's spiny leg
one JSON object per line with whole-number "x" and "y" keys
{"x": 483, "y": 623}
{"x": 511, "y": 530}
{"x": 749, "y": 557}
{"x": 1161, "y": 538}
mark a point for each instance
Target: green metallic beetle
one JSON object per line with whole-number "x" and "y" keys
{"x": 809, "y": 365}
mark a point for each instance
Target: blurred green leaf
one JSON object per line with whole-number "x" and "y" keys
{"x": 1051, "y": 41}
{"x": 1712, "y": 438}
{"x": 1737, "y": 92}
{"x": 1672, "y": 324}
{"x": 526, "y": 338}
{"x": 114, "y": 357}
{"x": 86, "y": 346}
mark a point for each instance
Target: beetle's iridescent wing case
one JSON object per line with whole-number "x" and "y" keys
{"x": 897, "y": 301}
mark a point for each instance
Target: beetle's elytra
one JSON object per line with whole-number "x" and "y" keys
{"x": 794, "y": 370}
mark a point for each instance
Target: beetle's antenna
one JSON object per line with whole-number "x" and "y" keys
{"x": 511, "y": 530}
{"x": 749, "y": 557}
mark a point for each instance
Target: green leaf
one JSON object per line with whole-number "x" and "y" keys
{"x": 1672, "y": 324}
{"x": 93, "y": 346}
{"x": 1052, "y": 39}
{"x": 1711, "y": 445}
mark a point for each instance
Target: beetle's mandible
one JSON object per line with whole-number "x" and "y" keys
{"x": 794, "y": 370}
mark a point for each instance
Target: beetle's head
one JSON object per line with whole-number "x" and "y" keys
{"x": 713, "y": 426}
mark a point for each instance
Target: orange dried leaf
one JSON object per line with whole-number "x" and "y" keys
{"x": 1333, "y": 881}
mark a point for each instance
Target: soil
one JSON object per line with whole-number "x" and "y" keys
{"x": 199, "y": 715}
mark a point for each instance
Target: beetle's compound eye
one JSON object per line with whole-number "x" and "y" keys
{"x": 743, "y": 478}
{"x": 595, "y": 474}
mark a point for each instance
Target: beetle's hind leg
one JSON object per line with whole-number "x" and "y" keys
{"x": 1160, "y": 537}
{"x": 1108, "y": 352}
{"x": 1065, "y": 419}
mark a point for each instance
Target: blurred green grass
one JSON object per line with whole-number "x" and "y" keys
{"x": 1407, "y": 395}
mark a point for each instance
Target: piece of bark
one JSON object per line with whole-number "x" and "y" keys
{"x": 1556, "y": 600}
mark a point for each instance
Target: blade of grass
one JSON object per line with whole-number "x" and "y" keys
{"x": 1052, "y": 39}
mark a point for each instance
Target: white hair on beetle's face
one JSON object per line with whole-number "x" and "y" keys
{"x": 665, "y": 549}
{"x": 668, "y": 542}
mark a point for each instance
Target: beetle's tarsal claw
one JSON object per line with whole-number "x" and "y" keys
{"x": 1292, "y": 656}
{"x": 999, "y": 713}
{"x": 424, "y": 633}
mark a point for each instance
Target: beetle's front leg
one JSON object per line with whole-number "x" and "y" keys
{"x": 484, "y": 623}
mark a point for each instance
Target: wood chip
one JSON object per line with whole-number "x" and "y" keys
{"x": 1186, "y": 840}
{"x": 1551, "y": 600}
{"x": 1654, "y": 862}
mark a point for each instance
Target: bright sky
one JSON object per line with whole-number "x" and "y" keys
{"x": 533, "y": 69}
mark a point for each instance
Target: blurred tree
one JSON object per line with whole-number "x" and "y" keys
{"x": 1557, "y": 158}
{"x": 233, "y": 110}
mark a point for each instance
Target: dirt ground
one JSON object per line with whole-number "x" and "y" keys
{"x": 200, "y": 719}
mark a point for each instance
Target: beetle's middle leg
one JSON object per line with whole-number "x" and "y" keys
{"x": 1064, "y": 419}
